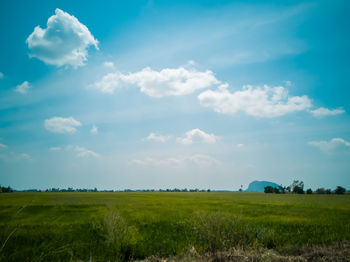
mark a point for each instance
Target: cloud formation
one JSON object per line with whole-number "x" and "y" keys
{"x": 178, "y": 161}
{"x": 321, "y": 112}
{"x": 83, "y": 152}
{"x": 333, "y": 144}
{"x": 23, "y": 88}
{"x": 255, "y": 101}
{"x": 62, "y": 125}
{"x": 63, "y": 42}
{"x": 167, "y": 82}
{"x": 159, "y": 138}
{"x": 197, "y": 136}
{"x": 1, "y": 75}
{"x": 3, "y": 146}
{"x": 108, "y": 64}
{"x": 94, "y": 130}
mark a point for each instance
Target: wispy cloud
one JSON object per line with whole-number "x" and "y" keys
{"x": 94, "y": 130}
{"x": 62, "y": 125}
{"x": 159, "y": 138}
{"x": 321, "y": 112}
{"x": 108, "y": 64}
{"x": 178, "y": 161}
{"x": 85, "y": 153}
{"x": 55, "y": 148}
{"x": 332, "y": 145}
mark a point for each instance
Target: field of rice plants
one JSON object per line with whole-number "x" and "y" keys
{"x": 174, "y": 226}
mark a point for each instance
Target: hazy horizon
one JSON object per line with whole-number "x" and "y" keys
{"x": 163, "y": 94}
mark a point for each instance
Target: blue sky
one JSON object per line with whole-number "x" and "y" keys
{"x": 164, "y": 94}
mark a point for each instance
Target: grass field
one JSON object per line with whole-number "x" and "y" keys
{"x": 136, "y": 226}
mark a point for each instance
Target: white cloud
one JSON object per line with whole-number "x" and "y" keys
{"x": 320, "y": 112}
{"x": 94, "y": 130}
{"x": 288, "y": 83}
{"x": 167, "y": 82}
{"x": 197, "y": 136}
{"x": 240, "y": 145}
{"x": 108, "y": 64}
{"x": 62, "y": 125}
{"x": 25, "y": 156}
{"x": 3, "y": 146}
{"x": 83, "y": 152}
{"x": 158, "y": 138}
{"x": 333, "y": 144}
{"x": 23, "y": 88}
{"x": 1, "y": 75}
{"x": 179, "y": 161}
{"x": 55, "y": 148}
{"x": 63, "y": 42}
{"x": 255, "y": 101}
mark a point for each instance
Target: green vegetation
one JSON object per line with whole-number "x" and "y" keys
{"x": 125, "y": 226}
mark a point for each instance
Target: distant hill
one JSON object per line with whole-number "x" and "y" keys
{"x": 258, "y": 186}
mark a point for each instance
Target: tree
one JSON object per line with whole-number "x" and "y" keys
{"x": 328, "y": 191}
{"x": 282, "y": 189}
{"x": 268, "y": 189}
{"x": 320, "y": 190}
{"x": 309, "y": 191}
{"x": 340, "y": 190}
{"x": 6, "y": 189}
{"x": 297, "y": 187}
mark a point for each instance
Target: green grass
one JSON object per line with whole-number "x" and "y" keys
{"x": 122, "y": 226}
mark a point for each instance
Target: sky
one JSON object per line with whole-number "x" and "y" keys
{"x": 165, "y": 94}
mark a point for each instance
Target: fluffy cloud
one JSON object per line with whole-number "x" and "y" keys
{"x": 94, "y": 130}
{"x": 3, "y": 146}
{"x": 63, "y": 42}
{"x": 1, "y": 75}
{"x": 255, "y": 101}
{"x": 320, "y": 112}
{"x": 167, "y": 82}
{"x": 179, "y": 161}
{"x": 62, "y": 125}
{"x": 333, "y": 144}
{"x": 83, "y": 152}
{"x": 197, "y": 136}
{"x": 22, "y": 88}
{"x": 158, "y": 138}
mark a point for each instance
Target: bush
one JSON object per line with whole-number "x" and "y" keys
{"x": 309, "y": 191}
{"x": 269, "y": 189}
{"x": 320, "y": 190}
{"x": 340, "y": 190}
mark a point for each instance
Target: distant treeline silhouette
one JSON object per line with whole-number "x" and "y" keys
{"x": 297, "y": 187}
{"x": 71, "y": 189}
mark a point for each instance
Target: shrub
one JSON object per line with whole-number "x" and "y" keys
{"x": 340, "y": 190}
{"x": 309, "y": 191}
{"x": 321, "y": 190}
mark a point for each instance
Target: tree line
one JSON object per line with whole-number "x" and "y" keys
{"x": 297, "y": 187}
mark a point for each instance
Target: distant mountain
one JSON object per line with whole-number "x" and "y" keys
{"x": 258, "y": 186}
